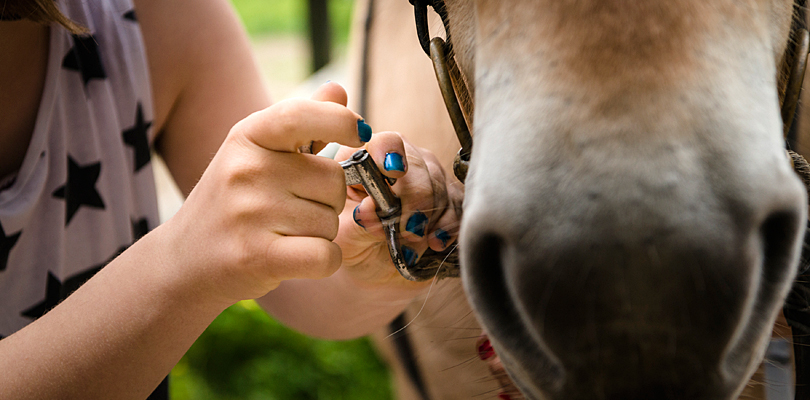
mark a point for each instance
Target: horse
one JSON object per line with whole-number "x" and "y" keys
{"x": 632, "y": 224}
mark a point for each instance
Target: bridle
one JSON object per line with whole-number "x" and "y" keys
{"x": 794, "y": 65}
{"x": 440, "y": 53}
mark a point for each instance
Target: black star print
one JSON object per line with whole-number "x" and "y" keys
{"x": 53, "y": 292}
{"x": 130, "y": 15}
{"x": 84, "y": 57}
{"x": 139, "y": 228}
{"x": 6, "y": 243}
{"x": 137, "y": 139}
{"x": 80, "y": 188}
{"x": 56, "y": 291}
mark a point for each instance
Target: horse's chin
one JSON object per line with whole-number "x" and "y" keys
{"x": 533, "y": 378}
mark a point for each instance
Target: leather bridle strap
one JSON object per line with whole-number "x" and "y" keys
{"x": 442, "y": 65}
{"x": 795, "y": 65}
{"x": 451, "y": 82}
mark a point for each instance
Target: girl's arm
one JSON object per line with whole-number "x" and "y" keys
{"x": 237, "y": 236}
{"x": 205, "y": 78}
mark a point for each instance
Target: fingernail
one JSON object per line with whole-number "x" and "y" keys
{"x": 409, "y": 255}
{"x": 504, "y": 396}
{"x": 417, "y": 223}
{"x": 485, "y": 350}
{"x": 393, "y": 162}
{"x": 442, "y": 235}
{"x": 357, "y": 220}
{"x": 363, "y": 130}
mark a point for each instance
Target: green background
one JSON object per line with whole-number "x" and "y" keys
{"x": 247, "y": 355}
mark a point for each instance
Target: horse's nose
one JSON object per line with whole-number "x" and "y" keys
{"x": 636, "y": 287}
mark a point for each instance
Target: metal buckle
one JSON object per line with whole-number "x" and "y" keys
{"x": 361, "y": 169}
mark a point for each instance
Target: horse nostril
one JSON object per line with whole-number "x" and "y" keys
{"x": 485, "y": 271}
{"x": 488, "y": 263}
{"x": 778, "y": 235}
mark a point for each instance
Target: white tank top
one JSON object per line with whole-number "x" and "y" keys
{"x": 85, "y": 190}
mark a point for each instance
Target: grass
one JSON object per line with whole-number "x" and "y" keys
{"x": 245, "y": 354}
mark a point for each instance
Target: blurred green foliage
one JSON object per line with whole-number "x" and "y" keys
{"x": 245, "y": 354}
{"x": 266, "y": 17}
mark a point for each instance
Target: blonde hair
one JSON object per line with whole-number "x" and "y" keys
{"x": 42, "y": 11}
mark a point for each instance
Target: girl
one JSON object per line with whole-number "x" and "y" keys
{"x": 87, "y": 89}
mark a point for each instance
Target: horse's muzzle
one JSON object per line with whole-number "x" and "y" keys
{"x": 631, "y": 289}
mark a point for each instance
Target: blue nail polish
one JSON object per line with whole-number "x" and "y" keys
{"x": 357, "y": 220}
{"x": 409, "y": 255}
{"x": 393, "y": 162}
{"x": 442, "y": 235}
{"x": 417, "y": 223}
{"x": 363, "y": 130}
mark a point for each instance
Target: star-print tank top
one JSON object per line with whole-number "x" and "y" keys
{"x": 85, "y": 190}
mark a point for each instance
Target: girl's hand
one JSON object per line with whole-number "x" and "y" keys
{"x": 430, "y": 213}
{"x": 263, "y": 212}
